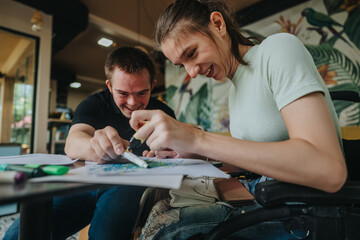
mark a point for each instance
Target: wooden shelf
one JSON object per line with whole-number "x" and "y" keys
{"x": 53, "y": 124}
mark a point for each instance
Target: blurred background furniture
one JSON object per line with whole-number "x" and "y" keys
{"x": 9, "y": 149}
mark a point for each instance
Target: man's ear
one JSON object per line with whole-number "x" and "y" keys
{"x": 108, "y": 84}
{"x": 153, "y": 84}
{"x": 217, "y": 22}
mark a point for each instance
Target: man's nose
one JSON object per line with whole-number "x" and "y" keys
{"x": 131, "y": 100}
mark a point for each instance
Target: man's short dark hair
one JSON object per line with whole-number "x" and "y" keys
{"x": 129, "y": 60}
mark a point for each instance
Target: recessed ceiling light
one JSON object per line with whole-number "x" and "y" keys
{"x": 105, "y": 42}
{"x": 75, "y": 84}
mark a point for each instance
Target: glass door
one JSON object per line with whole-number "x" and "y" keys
{"x": 18, "y": 64}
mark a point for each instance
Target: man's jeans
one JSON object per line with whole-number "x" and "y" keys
{"x": 111, "y": 212}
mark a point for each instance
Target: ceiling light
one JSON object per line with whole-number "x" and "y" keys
{"x": 36, "y": 22}
{"x": 105, "y": 42}
{"x": 75, "y": 84}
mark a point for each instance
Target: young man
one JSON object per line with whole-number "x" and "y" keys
{"x": 100, "y": 132}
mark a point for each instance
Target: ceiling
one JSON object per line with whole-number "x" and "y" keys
{"x": 127, "y": 23}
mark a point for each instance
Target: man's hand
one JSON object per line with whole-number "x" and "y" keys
{"x": 101, "y": 145}
{"x": 107, "y": 144}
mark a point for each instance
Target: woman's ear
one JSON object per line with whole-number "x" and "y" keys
{"x": 217, "y": 21}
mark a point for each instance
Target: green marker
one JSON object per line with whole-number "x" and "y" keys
{"x": 50, "y": 169}
{"x": 30, "y": 172}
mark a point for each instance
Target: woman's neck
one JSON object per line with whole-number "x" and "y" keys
{"x": 243, "y": 49}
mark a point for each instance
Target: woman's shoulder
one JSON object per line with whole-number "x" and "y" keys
{"x": 280, "y": 38}
{"x": 282, "y": 45}
{"x": 280, "y": 41}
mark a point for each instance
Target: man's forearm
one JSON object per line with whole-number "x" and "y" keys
{"x": 78, "y": 145}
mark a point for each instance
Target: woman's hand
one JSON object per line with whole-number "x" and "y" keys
{"x": 162, "y": 154}
{"x": 162, "y": 133}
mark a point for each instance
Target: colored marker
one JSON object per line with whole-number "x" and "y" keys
{"x": 50, "y": 169}
{"x": 135, "y": 159}
{"x": 12, "y": 177}
{"x": 135, "y": 141}
{"x": 30, "y": 172}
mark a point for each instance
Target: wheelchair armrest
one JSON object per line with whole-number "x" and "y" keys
{"x": 274, "y": 193}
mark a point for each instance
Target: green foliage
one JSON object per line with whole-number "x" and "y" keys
{"x": 348, "y": 75}
{"x": 352, "y": 26}
{"x": 22, "y": 108}
{"x": 170, "y": 93}
{"x": 352, "y": 23}
{"x": 340, "y": 105}
{"x": 198, "y": 109}
{"x": 350, "y": 112}
{"x": 331, "y": 41}
{"x": 333, "y": 6}
{"x": 23, "y": 100}
{"x": 348, "y": 72}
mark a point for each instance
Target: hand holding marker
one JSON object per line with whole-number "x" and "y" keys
{"x": 135, "y": 142}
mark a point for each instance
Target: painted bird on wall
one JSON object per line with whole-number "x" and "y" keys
{"x": 320, "y": 20}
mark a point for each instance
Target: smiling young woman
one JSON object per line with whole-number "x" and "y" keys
{"x": 282, "y": 121}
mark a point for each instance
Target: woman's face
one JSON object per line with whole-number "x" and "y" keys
{"x": 198, "y": 54}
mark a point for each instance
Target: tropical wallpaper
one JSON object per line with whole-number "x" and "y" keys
{"x": 329, "y": 29}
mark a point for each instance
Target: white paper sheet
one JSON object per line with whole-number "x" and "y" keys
{"x": 164, "y": 175}
{"x": 81, "y": 175}
{"x": 38, "y": 158}
{"x": 182, "y": 166}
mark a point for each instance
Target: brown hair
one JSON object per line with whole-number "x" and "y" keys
{"x": 194, "y": 16}
{"x": 130, "y": 60}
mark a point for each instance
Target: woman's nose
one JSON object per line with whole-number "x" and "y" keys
{"x": 192, "y": 70}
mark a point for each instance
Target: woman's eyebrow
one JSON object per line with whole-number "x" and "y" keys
{"x": 183, "y": 54}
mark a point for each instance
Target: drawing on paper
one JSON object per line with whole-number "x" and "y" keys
{"x": 121, "y": 168}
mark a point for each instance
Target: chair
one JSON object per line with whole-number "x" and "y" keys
{"x": 9, "y": 149}
{"x": 326, "y": 215}
{"x": 150, "y": 196}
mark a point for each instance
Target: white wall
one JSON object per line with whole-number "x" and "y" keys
{"x": 16, "y": 16}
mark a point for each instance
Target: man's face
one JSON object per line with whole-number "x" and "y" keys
{"x": 131, "y": 91}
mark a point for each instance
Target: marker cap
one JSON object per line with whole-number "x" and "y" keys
{"x": 51, "y": 169}
{"x": 12, "y": 177}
